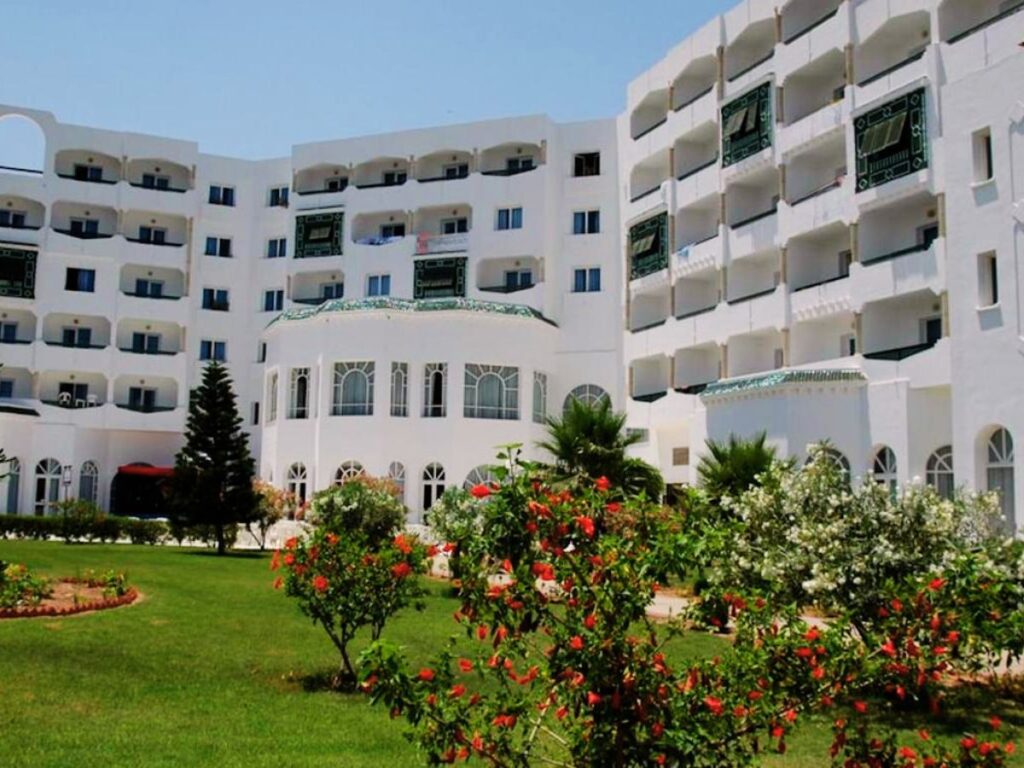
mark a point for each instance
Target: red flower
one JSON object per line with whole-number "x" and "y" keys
{"x": 812, "y": 635}
{"x": 576, "y": 643}
{"x": 968, "y": 743}
{"x": 481, "y": 632}
{"x": 426, "y": 674}
{"x": 715, "y": 705}
{"x": 590, "y": 622}
{"x": 401, "y": 570}
{"x": 320, "y": 583}
{"x": 613, "y": 507}
{"x": 504, "y": 721}
{"x": 277, "y": 583}
{"x": 332, "y": 539}
{"x": 402, "y": 545}
{"x": 458, "y": 691}
{"x": 480, "y": 491}
{"x": 465, "y": 665}
{"x": 289, "y": 559}
{"x": 275, "y": 560}
{"x": 861, "y": 706}
{"x": 290, "y": 543}
{"x": 790, "y": 715}
{"x": 995, "y": 722}
{"x": 602, "y": 483}
{"x": 907, "y": 753}
{"x": 936, "y": 584}
{"x": 593, "y": 699}
{"x": 586, "y": 525}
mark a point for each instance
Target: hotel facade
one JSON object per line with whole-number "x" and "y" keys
{"x": 804, "y": 222}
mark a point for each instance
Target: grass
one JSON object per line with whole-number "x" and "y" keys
{"x": 208, "y": 670}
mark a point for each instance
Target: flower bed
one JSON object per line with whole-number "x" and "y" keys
{"x": 73, "y": 595}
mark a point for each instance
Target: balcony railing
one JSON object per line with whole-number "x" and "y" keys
{"x": 377, "y": 184}
{"x": 645, "y": 193}
{"x": 443, "y": 178}
{"x": 90, "y": 401}
{"x": 811, "y": 27}
{"x": 819, "y": 191}
{"x": 140, "y": 185}
{"x": 20, "y": 226}
{"x": 694, "y": 389}
{"x": 507, "y": 288}
{"x": 73, "y": 346}
{"x": 150, "y": 296}
{"x": 987, "y": 22}
{"x": 650, "y": 128}
{"x": 696, "y": 98}
{"x": 890, "y": 70}
{"x": 650, "y": 397}
{"x": 751, "y": 296}
{"x": 919, "y": 248}
{"x": 15, "y": 341}
{"x": 751, "y": 67}
{"x": 312, "y": 302}
{"x": 648, "y": 326}
{"x": 145, "y": 408}
{"x": 427, "y": 244}
{"x": 132, "y": 351}
{"x": 153, "y": 242}
{"x": 509, "y": 171}
{"x": 16, "y": 169}
{"x": 756, "y": 217}
{"x": 84, "y": 235}
{"x": 900, "y": 353}
{"x": 825, "y": 281}
{"x": 694, "y": 171}
{"x": 695, "y": 312}
{"x": 321, "y": 191}
{"x": 88, "y": 181}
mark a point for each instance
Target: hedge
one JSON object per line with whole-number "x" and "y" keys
{"x": 99, "y": 528}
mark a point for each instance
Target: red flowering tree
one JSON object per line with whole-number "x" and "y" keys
{"x": 353, "y": 571}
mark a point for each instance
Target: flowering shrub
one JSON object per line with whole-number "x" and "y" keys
{"x": 272, "y": 504}
{"x": 352, "y": 572}
{"x": 114, "y": 583}
{"x": 18, "y": 587}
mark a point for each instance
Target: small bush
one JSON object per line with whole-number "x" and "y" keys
{"x": 18, "y": 587}
{"x": 145, "y": 531}
{"x": 364, "y": 505}
{"x": 81, "y": 525}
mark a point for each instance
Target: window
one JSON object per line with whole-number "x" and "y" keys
{"x": 261, "y": 352}
{"x": 838, "y": 461}
{"x": 12, "y": 219}
{"x": 76, "y": 279}
{"x": 883, "y": 134}
{"x": 396, "y": 474}
{"x": 153, "y": 289}
{"x": 85, "y": 227}
{"x": 72, "y": 394}
{"x": 586, "y": 280}
{"x": 540, "y": 397}
{"x": 848, "y": 345}
{"x": 482, "y": 475}
{"x": 6, "y": 389}
{"x": 213, "y": 350}
{"x": 587, "y": 394}
{"x": 456, "y": 171}
{"x": 154, "y": 181}
{"x": 89, "y": 482}
{"x": 222, "y": 195}
{"x": 142, "y": 399}
{"x": 883, "y": 467}
{"x": 394, "y": 178}
{"x": 433, "y": 484}
{"x": 388, "y": 231}
{"x": 999, "y": 472}
{"x": 336, "y": 184}
{"x": 76, "y": 337}
{"x": 988, "y": 280}
{"x": 981, "y": 143}
{"x": 399, "y": 389}
{"x": 85, "y": 172}
{"x": 277, "y": 248}
{"x": 378, "y": 285}
{"x": 939, "y": 471}
{"x": 454, "y": 226}
{"x": 491, "y": 392}
{"x": 931, "y": 330}
{"x": 298, "y": 394}
{"x": 48, "y": 472}
{"x": 586, "y": 222}
{"x": 255, "y": 414}
{"x": 154, "y": 235}
{"x": 13, "y": 482}
{"x": 435, "y": 390}
{"x": 509, "y": 218}
{"x": 587, "y": 164}
{"x": 518, "y": 279}
{"x": 278, "y": 197}
{"x": 218, "y": 246}
{"x": 216, "y": 299}
{"x": 273, "y": 300}
{"x": 297, "y": 482}
{"x": 8, "y": 333}
{"x": 353, "y": 389}
{"x": 518, "y": 164}
{"x": 272, "y": 398}
{"x": 348, "y": 470}
{"x": 145, "y": 343}
{"x": 332, "y": 291}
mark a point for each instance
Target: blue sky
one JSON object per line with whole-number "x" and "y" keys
{"x": 250, "y": 78}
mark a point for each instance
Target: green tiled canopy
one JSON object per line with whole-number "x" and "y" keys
{"x": 410, "y": 305}
{"x": 768, "y": 381}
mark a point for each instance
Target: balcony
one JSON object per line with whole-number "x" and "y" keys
{"x": 87, "y": 166}
{"x": 450, "y": 165}
{"x": 917, "y": 269}
{"x": 648, "y": 175}
{"x": 695, "y": 82}
{"x": 511, "y": 159}
{"x": 747, "y": 57}
{"x": 801, "y": 17}
{"x": 900, "y": 353}
{"x": 960, "y": 20}
{"x": 649, "y": 114}
{"x": 978, "y": 35}
{"x": 696, "y": 367}
{"x": 897, "y": 328}
{"x": 427, "y": 244}
{"x": 892, "y": 56}
{"x": 322, "y": 179}
{"x": 381, "y": 172}
{"x": 815, "y": 339}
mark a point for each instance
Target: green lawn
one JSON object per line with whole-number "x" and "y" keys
{"x": 207, "y": 671}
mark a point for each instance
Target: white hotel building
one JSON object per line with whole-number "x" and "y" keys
{"x": 806, "y": 221}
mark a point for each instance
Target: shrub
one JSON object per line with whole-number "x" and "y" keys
{"x": 364, "y": 505}
{"x": 145, "y": 531}
{"x": 84, "y": 527}
{"x": 114, "y": 583}
{"x": 18, "y": 587}
{"x": 273, "y": 504}
{"x": 77, "y": 519}
{"x": 29, "y": 526}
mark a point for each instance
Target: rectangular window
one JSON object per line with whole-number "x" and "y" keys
{"x": 435, "y": 390}
{"x": 931, "y": 330}
{"x": 378, "y": 285}
{"x": 392, "y": 230}
{"x": 218, "y": 246}
{"x": 298, "y": 394}
{"x": 8, "y": 333}
{"x": 278, "y": 197}
{"x": 509, "y": 218}
{"x": 337, "y": 184}
{"x": 587, "y": 164}
{"x": 12, "y": 219}
{"x": 153, "y": 181}
{"x": 76, "y": 337}
{"x": 85, "y": 227}
{"x": 88, "y": 172}
{"x": 146, "y": 343}
{"x": 455, "y": 226}
{"x": 154, "y": 235}
{"x": 76, "y": 279}
{"x": 213, "y": 350}
{"x": 540, "y": 397}
{"x": 353, "y": 389}
{"x": 988, "y": 280}
{"x": 273, "y": 300}
{"x": 6, "y": 388}
{"x": 277, "y": 248}
{"x": 981, "y": 142}
{"x": 220, "y": 195}
{"x": 261, "y": 352}
{"x": 491, "y": 392}
{"x": 332, "y": 291}
{"x": 255, "y": 414}
{"x": 399, "y": 389}
{"x": 153, "y": 289}
{"x": 586, "y": 222}
{"x": 141, "y": 399}
{"x": 394, "y": 178}
{"x": 272, "y": 397}
{"x": 216, "y": 299}
{"x": 518, "y": 279}
{"x": 518, "y": 164}
{"x": 456, "y": 171}
{"x": 586, "y": 280}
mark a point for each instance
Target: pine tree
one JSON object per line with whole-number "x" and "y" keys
{"x": 213, "y": 472}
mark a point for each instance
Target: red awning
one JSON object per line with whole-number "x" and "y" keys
{"x": 144, "y": 470}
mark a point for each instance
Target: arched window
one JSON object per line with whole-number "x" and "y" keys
{"x": 435, "y": 390}
{"x": 491, "y": 392}
{"x": 839, "y": 461}
{"x": 396, "y": 473}
{"x": 22, "y": 145}
{"x": 347, "y": 471}
{"x": 482, "y": 475}
{"x": 13, "y": 481}
{"x": 298, "y": 402}
{"x": 297, "y": 481}
{"x": 939, "y": 471}
{"x": 540, "y": 397}
{"x": 353, "y": 389}
{"x": 999, "y": 471}
{"x": 433, "y": 484}
{"x": 399, "y": 389}
{"x": 588, "y": 394}
{"x": 883, "y": 467}
{"x": 47, "y": 486}
{"x": 89, "y": 482}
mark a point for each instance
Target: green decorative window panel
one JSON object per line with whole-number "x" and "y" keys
{"x": 18, "y": 273}
{"x": 892, "y": 141}
{"x": 439, "y": 278}
{"x": 747, "y": 125}
{"x": 320, "y": 234}
{"x": 648, "y": 246}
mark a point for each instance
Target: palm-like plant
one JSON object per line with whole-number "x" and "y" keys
{"x": 591, "y": 440}
{"x": 729, "y": 468}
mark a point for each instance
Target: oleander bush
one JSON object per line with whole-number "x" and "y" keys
{"x": 19, "y": 587}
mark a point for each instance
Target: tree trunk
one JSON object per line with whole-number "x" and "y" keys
{"x": 221, "y": 544}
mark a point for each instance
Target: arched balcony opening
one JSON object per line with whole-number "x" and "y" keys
{"x": 649, "y": 113}
{"x": 511, "y": 159}
{"x": 697, "y": 80}
{"x": 161, "y": 175}
{"x": 446, "y": 165}
{"x": 382, "y": 172}
{"x": 901, "y": 40}
{"x": 83, "y": 220}
{"x": 87, "y": 165}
